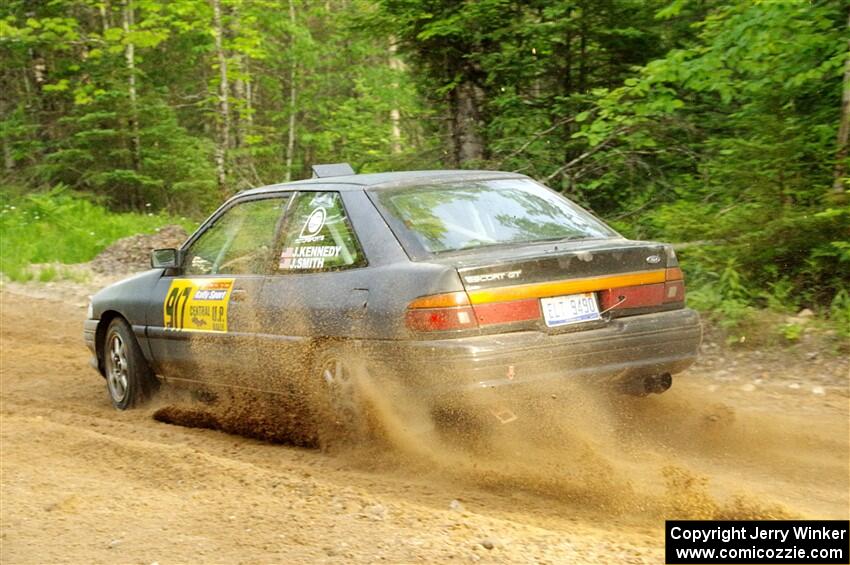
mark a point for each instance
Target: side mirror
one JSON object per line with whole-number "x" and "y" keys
{"x": 165, "y": 258}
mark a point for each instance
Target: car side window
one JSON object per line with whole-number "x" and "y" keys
{"x": 318, "y": 236}
{"x": 239, "y": 242}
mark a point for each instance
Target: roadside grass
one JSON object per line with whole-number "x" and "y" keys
{"x": 58, "y": 227}
{"x": 751, "y": 319}
{"x": 48, "y": 272}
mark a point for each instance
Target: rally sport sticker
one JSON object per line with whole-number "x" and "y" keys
{"x": 197, "y": 304}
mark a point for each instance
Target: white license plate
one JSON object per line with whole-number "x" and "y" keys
{"x": 570, "y": 309}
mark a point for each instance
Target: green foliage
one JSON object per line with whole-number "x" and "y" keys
{"x": 713, "y": 124}
{"x": 94, "y": 156}
{"x": 727, "y": 141}
{"x": 57, "y": 226}
{"x": 722, "y": 294}
{"x": 533, "y": 68}
{"x": 124, "y": 104}
{"x": 349, "y": 92}
{"x": 839, "y": 312}
{"x": 792, "y": 332}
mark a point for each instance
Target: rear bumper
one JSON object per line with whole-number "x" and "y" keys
{"x": 628, "y": 347}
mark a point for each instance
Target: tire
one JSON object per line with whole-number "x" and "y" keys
{"x": 129, "y": 379}
{"x": 338, "y": 409}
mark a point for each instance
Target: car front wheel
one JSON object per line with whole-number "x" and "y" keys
{"x": 129, "y": 379}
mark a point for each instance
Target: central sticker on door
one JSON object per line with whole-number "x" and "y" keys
{"x": 197, "y": 304}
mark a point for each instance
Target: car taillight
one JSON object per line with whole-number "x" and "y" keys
{"x": 441, "y": 312}
{"x": 673, "y": 274}
{"x": 645, "y": 295}
{"x": 507, "y": 312}
{"x": 674, "y": 285}
{"x": 626, "y": 297}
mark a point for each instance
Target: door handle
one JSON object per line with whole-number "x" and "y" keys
{"x": 238, "y": 295}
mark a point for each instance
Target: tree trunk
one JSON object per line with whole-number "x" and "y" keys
{"x": 249, "y": 101}
{"x": 567, "y": 89}
{"x": 240, "y": 100}
{"x": 582, "y": 61}
{"x": 8, "y": 158}
{"x": 843, "y": 127}
{"x": 249, "y": 123}
{"x": 238, "y": 68}
{"x": 105, "y": 19}
{"x": 567, "y": 71}
{"x": 395, "y": 114}
{"x": 130, "y": 60}
{"x": 290, "y": 140}
{"x": 466, "y": 118}
{"x": 223, "y": 121}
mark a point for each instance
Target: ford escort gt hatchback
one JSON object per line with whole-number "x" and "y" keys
{"x": 460, "y": 287}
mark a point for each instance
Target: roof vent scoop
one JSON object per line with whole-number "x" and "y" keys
{"x": 332, "y": 170}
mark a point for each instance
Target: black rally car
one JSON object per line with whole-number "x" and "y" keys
{"x": 453, "y": 284}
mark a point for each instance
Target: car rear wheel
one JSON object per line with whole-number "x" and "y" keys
{"x": 338, "y": 404}
{"x": 129, "y": 379}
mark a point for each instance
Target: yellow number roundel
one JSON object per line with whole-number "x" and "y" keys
{"x": 197, "y": 304}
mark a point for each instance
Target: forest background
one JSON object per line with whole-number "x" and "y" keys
{"x": 719, "y": 125}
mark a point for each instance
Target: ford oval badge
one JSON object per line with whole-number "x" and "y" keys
{"x": 653, "y": 259}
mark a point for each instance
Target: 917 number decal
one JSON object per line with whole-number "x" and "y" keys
{"x": 197, "y": 304}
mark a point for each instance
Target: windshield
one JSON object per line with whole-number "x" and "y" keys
{"x": 465, "y": 215}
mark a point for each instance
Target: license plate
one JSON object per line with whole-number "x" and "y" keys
{"x": 570, "y": 309}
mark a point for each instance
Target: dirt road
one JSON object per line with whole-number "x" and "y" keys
{"x": 592, "y": 483}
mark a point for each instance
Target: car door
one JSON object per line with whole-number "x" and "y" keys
{"x": 318, "y": 287}
{"x": 203, "y": 321}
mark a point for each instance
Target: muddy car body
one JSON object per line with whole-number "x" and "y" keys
{"x": 451, "y": 284}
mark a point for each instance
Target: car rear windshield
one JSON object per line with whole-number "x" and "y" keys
{"x": 466, "y": 215}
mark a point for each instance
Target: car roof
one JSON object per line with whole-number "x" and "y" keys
{"x": 382, "y": 180}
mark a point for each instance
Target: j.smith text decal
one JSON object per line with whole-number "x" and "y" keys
{"x": 307, "y": 256}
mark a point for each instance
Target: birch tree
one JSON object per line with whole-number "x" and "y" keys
{"x": 293, "y": 96}
{"x": 841, "y": 155}
{"x": 223, "y": 105}
{"x": 130, "y": 60}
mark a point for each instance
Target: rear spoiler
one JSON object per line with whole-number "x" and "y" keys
{"x": 332, "y": 170}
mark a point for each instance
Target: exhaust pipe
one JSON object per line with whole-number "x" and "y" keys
{"x": 653, "y": 384}
{"x": 658, "y": 383}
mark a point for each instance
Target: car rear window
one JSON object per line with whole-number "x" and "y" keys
{"x": 466, "y": 215}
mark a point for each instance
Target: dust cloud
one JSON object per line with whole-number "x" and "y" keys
{"x": 674, "y": 455}
{"x": 578, "y": 447}
{"x": 677, "y": 455}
